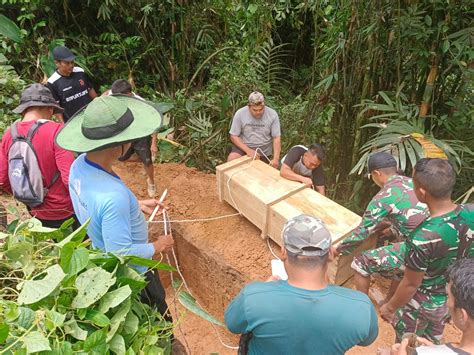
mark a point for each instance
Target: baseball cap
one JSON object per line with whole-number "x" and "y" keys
{"x": 381, "y": 160}
{"x": 256, "y": 98}
{"x": 35, "y": 95}
{"x": 307, "y": 236}
{"x": 63, "y": 53}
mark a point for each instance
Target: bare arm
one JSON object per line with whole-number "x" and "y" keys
{"x": 237, "y": 141}
{"x": 276, "y": 152}
{"x": 289, "y": 174}
{"x": 404, "y": 293}
{"x": 321, "y": 189}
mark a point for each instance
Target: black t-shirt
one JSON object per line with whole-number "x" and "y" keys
{"x": 294, "y": 155}
{"x": 72, "y": 92}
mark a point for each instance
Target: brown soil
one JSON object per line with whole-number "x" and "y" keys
{"x": 217, "y": 257}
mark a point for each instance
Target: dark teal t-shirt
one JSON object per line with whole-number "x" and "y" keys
{"x": 288, "y": 320}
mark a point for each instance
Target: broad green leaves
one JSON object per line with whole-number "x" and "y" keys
{"x": 35, "y": 290}
{"x": 73, "y": 299}
{"x": 91, "y": 286}
{"x": 114, "y": 298}
{"x": 73, "y": 260}
{"x": 9, "y": 29}
{"x": 35, "y": 342}
{"x": 72, "y": 328}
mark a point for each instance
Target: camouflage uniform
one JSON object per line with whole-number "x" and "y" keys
{"x": 431, "y": 248}
{"x": 396, "y": 202}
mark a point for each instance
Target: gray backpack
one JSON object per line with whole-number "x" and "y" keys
{"x": 24, "y": 173}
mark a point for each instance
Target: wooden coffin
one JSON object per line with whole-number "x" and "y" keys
{"x": 260, "y": 194}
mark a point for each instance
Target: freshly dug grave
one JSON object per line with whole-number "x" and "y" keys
{"x": 218, "y": 257}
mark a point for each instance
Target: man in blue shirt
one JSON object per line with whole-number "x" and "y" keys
{"x": 104, "y": 129}
{"x": 303, "y": 315}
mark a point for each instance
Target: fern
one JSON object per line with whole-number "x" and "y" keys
{"x": 269, "y": 63}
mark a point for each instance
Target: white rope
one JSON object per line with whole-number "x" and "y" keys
{"x": 167, "y": 223}
{"x": 271, "y": 250}
{"x": 198, "y": 219}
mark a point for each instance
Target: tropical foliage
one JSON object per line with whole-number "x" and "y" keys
{"x": 58, "y": 297}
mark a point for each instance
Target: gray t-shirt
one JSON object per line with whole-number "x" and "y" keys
{"x": 256, "y": 132}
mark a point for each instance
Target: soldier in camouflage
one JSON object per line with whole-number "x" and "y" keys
{"x": 395, "y": 206}
{"x": 419, "y": 303}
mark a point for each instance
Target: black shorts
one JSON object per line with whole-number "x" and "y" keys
{"x": 235, "y": 149}
{"x": 142, "y": 148}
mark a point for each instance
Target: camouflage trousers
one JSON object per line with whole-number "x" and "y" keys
{"x": 424, "y": 315}
{"x": 387, "y": 261}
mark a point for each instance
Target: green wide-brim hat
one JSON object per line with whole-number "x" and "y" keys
{"x": 108, "y": 121}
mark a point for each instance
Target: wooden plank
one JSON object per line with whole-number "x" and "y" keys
{"x": 276, "y": 200}
{"x": 339, "y": 220}
{"x": 268, "y": 201}
{"x": 225, "y": 167}
{"x": 340, "y": 271}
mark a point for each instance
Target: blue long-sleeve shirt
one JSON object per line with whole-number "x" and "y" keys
{"x": 117, "y": 224}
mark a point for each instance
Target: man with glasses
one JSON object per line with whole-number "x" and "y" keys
{"x": 394, "y": 211}
{"x": 69, "y": 84}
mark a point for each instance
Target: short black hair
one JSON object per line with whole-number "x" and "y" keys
{"x": 436, "y": 176}
{"x": 318, "y": 150}
{"x": 392, "y": 170}
{"x": 121, "y": 86}
{"x": 461, "y": 276}
{"x": 307, "y": 262}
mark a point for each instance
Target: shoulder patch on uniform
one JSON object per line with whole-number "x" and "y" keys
{"x": 78, "y": 70}
{"x": 54, "y": 77}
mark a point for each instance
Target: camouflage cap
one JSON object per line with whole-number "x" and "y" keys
{"x": 307, "y": 236}
{"x": 256, "y": 98}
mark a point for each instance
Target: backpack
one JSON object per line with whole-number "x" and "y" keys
{"x": 24, "y": 173}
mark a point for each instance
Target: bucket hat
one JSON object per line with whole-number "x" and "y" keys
{"x": 109, "y": 121}
{"x": 37, "y": 95}
{"x": 307, "y": 236}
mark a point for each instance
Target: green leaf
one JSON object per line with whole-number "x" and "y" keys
{"x": 72, "y": 328}
{"x": 164, "y": 107}
{"x": 35, "y": 342}
{"x": 73, "y": 260}
{"x": 26, "y": 317}
{"x": 54, "y": 319}
{"x": 428, "y": 20}
{"x": 445, "y": 45}
{"x": 117, "y": 345}
{"x": 4, "y": 330}
{"x": 95, "y": 340}
{"x": 9, "y": 29}
{"x": 98, "y": 318}
{"x": 252, "y": 8}
{"x": 118, "y": 318}
{"x": 114, "y": 298}
{"x": 189, "y": 302}
{"x": 76, "y": 236}
{"x": 35, "y": 290}
{"x": 130, "y": 326}
{"x": 151, "y": 264}
{"x": 91, "y": 286}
